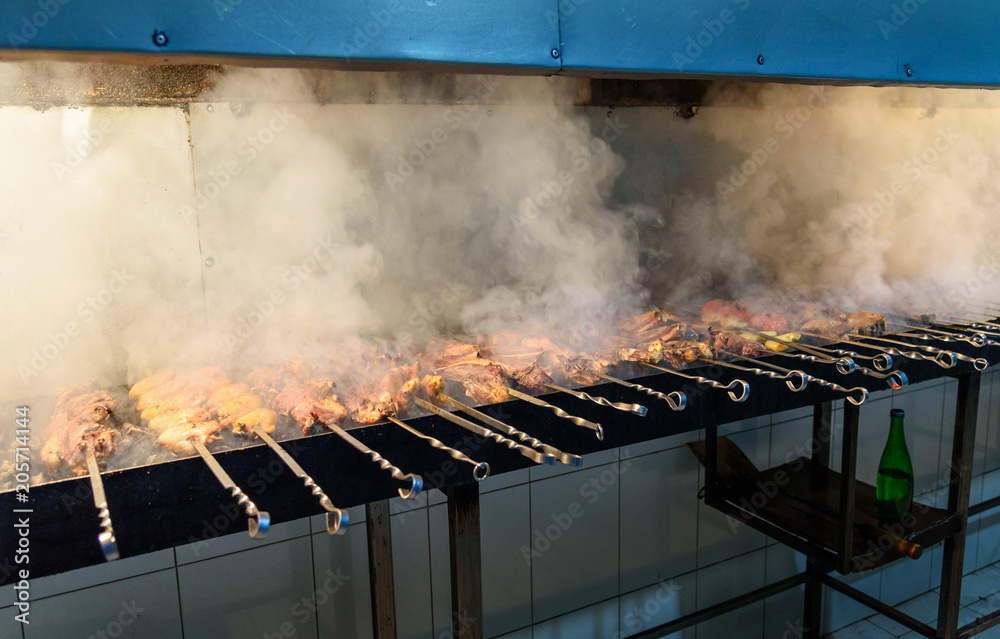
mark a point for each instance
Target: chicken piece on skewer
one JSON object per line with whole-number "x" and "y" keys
{"x": 725, "y": 342}
{"x": 263, "y": 418}
{"x": 867, "y": 323}
{"x": 432, "y": 386}
{"x": 147, "y": 384}
{"x": 829, "y": 328}
{"x": 486, "y": 384}
{"x": 652, "y": 354}
{"x": 326, "y": 411}
{"x": 193, "y": 398}
{"x": 79, "y": 421}
{"x": 179, "y": 439}
{"x": 231, "y": 409}
{"x": 179, "y": 417}
{"x": 309, "y": 402}
{"x": 586, "y": 370}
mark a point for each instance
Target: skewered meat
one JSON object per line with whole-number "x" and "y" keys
{"x": 652, "y": 354}
{"x": 327, "y": 411}
{"x": 235, "y": 407}
{"x": 145, "y": 385}
{"x": 683, "y": 352}
{"x": 867, "y": 323}
{"x": 308, "y": 402}
{"x": 264, "y": 418}
{"x": 724, "y": 342}
{"x": 586, "y": 369}
{"x": 830, "y": 328}
{"x": 368, "y": 408}
{"x": 179, "y": 439}
{"x": 531, "y": 376}
{"x": 79, "y": 421}
{"x": 178, "y": 417}
{"x": 432, "y": 385}
{"x": 486, "y": 385}
{"x": 228, "y": 392}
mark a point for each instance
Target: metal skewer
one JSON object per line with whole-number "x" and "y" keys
{"x": 565, "y": 458}
{"x": 977, "y": 339}
{"x": 979, "y": 363}
{"x": 259, "y": 521}
{"x": 635, "y": 409}
{"x": 530, "y": 453}
{"x": 883, "y": 361}
{"x": 896, "y": 380}
{"x": 579, "y": 421}
{"x": 416, "y": 481}
{"x": 730, "y": 388}
{"x": 676, "y": 399}
{"x": 480, "y": 470}
{"x": 336, "y": 518}
{"x": 857, "y": 395}
{"x": 844, "y": 364}
{"x": 106, "y": 538}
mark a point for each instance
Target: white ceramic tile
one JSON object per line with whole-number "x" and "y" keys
{"x": 440, "y": 566}
{"x": 523, "y": 633}
{"x": 988, "y": 549}
{"x": 906, "y": 578}
{"x": 406, "y": 508}
{"x": 101, "y": 573}
{"x": 658, "y": 604}
{"x": 349, "y": 613}
{"x": 861, "y": 630}
{"x": 731, "y": 578}
{"x": 782, "y": 562}
{"x": 661, "y": 443}
{"x": 721, "y": 536}
{"x": 791, "y": 440}
{"x": 806, "y": 412}
{"x": 504, "y": 480}
{"x": 783, "y": 614}
{"x": 574, "y": 539}
{"x": 744, "y": 623}
{"x": 890, "y": 626}
{"x": 505, "y": 530}
{"x": 589, "y": 461}
{"x": 659, "y": 517}
{"x": 10, "y": 628}
{"x": 744, "y": 425}
{"x": 991, "y": 456}
{"x": 238, "y": 539}
{"x": 266, "y": 591}
{"x": 412, "y": 575}
{"x": 840, "y": 610}
{"x": 144, "y": 606}
{"x": 983, "y": 584}
{"x": 597, "y": 621}
{"x": 7, "y": 595}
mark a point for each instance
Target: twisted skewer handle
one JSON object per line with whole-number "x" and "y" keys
{"x": 260, "y": 520}
{"x": 635, "y": 409}
{"x": 530, "y": 453}
{"x": 525, "y": 438}
{"x": 789, "y": 377}
{"x": 857, "y": 395}
{"x": 730, "y": 388}
{"x": 335, "y": 517}
{"x": 480, "y": 470}
{"x": 416, "y": 481}
{"x": 676, "y": 399}
{"x": 579, "y": 421}
{"x": 106, "y": 538}
{"x": 944, "y": 358}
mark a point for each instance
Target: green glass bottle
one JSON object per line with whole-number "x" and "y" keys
{"x": 894, "y": 485}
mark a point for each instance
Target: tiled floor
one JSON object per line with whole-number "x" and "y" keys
{"x": 980, "y": 596}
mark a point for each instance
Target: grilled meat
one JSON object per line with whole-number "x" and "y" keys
{"x": 486, "y": 384}
{"x": 365, "y": 407}
{"x": 867, "y": 323}
{"x": 264, "y": 418}
{"x": 79, "y": 421}
{"x": 829, "y": 328}
{"x": 180, "y": 439}
{"x": 681, "y": 352}
{"x": 586, "y": 369}
{"x": 432, "y": 386}
{"x": 232, "y": 409}
{"x": 724, "y": 342}
{"x": 145, "y": 385}
{"x": 652, "y": 354}
{"x": 179, "y": 417}
{"x": 307, "y": 402}
{"x": 531, "y": 376}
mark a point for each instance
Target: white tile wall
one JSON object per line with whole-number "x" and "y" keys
{"x": 145, "y": 606}
{"x": 641, "y": 550}
{"x": 9, "y": 627}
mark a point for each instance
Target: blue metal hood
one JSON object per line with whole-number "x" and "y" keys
{"x": 925, "y": 42}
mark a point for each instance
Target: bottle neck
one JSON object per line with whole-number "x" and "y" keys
{"x": 896, "y": 430}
